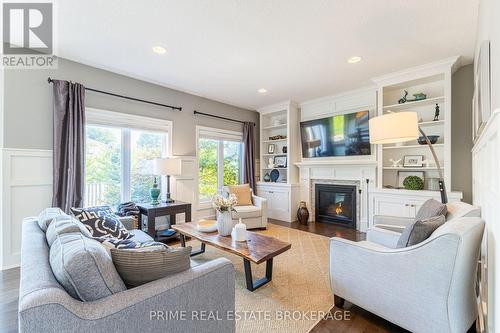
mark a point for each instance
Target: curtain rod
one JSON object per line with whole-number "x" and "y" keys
{"x": 179, "y": 108}
{"x": 223, "y": 118}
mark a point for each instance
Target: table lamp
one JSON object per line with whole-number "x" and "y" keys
{"x": 167, "y": 167}
{"x": 401, "y": 127}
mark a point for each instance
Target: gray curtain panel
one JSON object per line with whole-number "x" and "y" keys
{"x": 69, "y": 145}
{"x": 249, "y": 156}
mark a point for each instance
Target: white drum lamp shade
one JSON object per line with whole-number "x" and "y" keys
{"x": 394, "y": 127}
{"x": 167, "y": 166}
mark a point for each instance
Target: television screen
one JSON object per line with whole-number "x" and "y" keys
{"x": 340, "y": 135}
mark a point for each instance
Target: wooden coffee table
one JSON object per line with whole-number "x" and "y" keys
{"x": 258, "y": 248}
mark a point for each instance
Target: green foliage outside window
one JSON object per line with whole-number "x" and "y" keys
{"x": 208, "y": 163}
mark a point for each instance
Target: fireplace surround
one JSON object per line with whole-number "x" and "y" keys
{"x": 336, "y": 204}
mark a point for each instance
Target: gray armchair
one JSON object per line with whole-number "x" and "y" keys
{"x": 428, "y": 287}
{"x": 386, "y": 230}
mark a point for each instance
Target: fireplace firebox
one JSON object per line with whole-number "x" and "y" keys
{"x": 336, "y": 204}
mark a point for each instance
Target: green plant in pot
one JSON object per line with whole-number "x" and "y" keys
{"x": 413, "y": 183}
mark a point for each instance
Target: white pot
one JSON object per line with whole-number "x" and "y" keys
{"x": 224, "y": 223}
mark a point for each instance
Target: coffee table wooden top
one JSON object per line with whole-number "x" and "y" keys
{"x": 258, "y": 248}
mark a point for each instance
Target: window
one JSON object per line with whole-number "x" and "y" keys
{"x": 219, "y": 160}
{"x": 118, "y": 152}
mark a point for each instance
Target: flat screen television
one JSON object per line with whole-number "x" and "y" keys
{"x": 340, "y": 135}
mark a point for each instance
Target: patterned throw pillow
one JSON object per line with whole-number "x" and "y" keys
{"x": 115, "y": 243}
{"x": 101, "y": 222}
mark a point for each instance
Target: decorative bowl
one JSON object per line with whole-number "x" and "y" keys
{"x": 432, "y": 138}
{"x": 207, "y": 225}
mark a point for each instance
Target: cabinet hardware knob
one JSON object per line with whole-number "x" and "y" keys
{"x": 406, "y": 205}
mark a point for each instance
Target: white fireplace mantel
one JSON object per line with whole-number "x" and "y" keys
{"x": 330, "y": 171}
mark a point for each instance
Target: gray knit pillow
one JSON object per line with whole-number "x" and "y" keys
{"x": 431, "y": 208}
{"x": 143, "y": 265}
{"x": 419, "y": 231}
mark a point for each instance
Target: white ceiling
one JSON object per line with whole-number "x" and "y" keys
{"x": 227, "y": 49}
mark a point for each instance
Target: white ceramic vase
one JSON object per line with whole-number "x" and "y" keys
{"x": 224, "y": 223}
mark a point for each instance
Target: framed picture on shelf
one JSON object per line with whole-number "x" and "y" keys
{"x": 280, "y": 161}
{"x": 403, "y": 174}
{"x": 413, "y": 161}
{"x": 271, "y": 148}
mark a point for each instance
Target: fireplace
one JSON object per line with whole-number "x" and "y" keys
{"x": 336, "y": 204}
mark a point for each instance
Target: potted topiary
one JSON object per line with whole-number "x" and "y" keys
{"x": 413, "y": 183}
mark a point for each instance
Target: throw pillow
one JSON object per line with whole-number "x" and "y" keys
{"x": 101, "y": 222}
{"x": 65, "y": 224}
{"x": 431, "y": 208}
{"x": 46, "y": 216}
{"x": 83, "y": 267}
{"x": 419, "y": 231}
{"x": 139, "y": 266}
{"x": 242, "y": 193}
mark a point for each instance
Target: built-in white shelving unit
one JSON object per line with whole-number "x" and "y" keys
{"x": 434, "y": 80}
{"x": 281, "y": 120}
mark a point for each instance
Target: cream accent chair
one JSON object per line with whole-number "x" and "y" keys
{"x": 253, "y": 216}
{"x": 427, "y": 287}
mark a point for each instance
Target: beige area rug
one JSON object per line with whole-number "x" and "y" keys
{"x": 300, "y": 286}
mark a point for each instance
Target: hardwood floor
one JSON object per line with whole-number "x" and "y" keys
{"x": 359, "y": 320}
{"x": 9, "y": 293}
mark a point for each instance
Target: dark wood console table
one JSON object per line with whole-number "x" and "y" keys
{"x": 162, "y": 209}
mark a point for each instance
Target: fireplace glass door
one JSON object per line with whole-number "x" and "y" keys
{"x": 336, "y": 204}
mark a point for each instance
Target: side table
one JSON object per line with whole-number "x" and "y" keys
{"x": 162, "y": 209}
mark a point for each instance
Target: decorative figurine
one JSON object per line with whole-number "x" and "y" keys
{"x": 267, "y": 178}
{"x": 284, "y": 149}
{"x": 402, "y": 100}
{"x": 270, "y": 163}
{"x": 436, "y": 113}
{"x": 395, "y": 164}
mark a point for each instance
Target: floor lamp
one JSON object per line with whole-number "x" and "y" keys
{"x": 401, "y": 127}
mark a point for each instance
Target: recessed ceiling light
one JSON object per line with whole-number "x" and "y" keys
{"x": 353, "y": 60}
{"x": 159, "y": 49}
{"x": 262, "y": 91}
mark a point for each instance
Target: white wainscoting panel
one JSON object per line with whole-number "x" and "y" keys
{"x": 183, "y": 187}
{"x": 26, "y": 191}
{"x": 486, "y": 194}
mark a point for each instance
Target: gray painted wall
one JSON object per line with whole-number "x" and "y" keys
{"x": 28, "y": 105}
{"x": 461, "y": 131}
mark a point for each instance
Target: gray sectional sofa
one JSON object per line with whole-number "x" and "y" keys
{"x": 171, "y": 304}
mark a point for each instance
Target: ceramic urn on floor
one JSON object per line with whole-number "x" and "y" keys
{"x": 303, "y": 213}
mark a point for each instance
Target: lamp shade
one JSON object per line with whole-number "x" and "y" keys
{"x": 394, "y": 127}
{"x": 167, "y": 166}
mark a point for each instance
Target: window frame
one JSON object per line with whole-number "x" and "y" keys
{"x": 127, "y": 122}
{"x": 221, "y": 135}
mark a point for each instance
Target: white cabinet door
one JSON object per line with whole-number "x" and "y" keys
{"x": 279, "y": 205}
{"x": 392, "y": 206}
{"x": 278, "y": 202}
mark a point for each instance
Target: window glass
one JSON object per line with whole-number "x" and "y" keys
{"x": 102, "y": 166}
{"x": 232, "y": 163}
{"x": 208, "y": 167}
{"x": 144, "y": 146}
